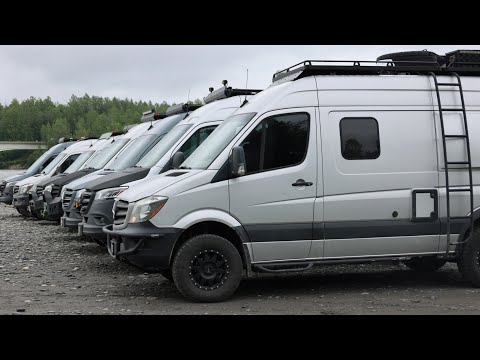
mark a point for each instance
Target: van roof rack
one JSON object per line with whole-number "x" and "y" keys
{"x": 66, "y": 139}
{"x": 107, "y": 135}
{"x": 462, "y": 62}
{"x": 226, "y": 92}
{"x": 152, "y": 115}
{"x": 181, "y": 108}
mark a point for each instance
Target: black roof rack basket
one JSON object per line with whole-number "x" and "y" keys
{"x": 410, "y": 63}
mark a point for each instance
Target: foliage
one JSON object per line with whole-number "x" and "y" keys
{"x": 43, "y": 120}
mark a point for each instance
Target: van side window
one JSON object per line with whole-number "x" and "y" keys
{"x": 360, "y": 138}
{"x": 277, "y": 142}
{"x": 45, "y": 164}
{"x": 68, "y": 162}
{"x": 195, "y": 140}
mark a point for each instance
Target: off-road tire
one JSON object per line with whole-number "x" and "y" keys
{"x": 207, "y": 268}
{"x": 22, "y": 210}
{"x": 425, "y": 264}
{"x": 469, "y": 259}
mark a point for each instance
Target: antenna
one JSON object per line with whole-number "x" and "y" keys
{"x": 246, "y": 88}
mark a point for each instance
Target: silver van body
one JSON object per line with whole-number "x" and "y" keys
{"x": 336, "y": 202}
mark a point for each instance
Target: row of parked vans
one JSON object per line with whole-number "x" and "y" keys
{"x": 335, "y": 162}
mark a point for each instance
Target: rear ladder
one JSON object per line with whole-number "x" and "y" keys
{"x": 462, "y": 188}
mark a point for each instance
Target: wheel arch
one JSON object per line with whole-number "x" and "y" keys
{"x": 214, "y": 222}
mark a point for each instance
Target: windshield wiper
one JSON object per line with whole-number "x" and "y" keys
{"x": 185, "y": 168}
{"x": 108, "y": 169}
{"x": 137, "y": 167}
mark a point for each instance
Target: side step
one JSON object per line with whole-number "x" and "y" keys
{"x": 283, "y": 268}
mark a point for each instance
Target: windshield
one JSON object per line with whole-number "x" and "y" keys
{"x": 54, "y": 163}
{"x": 162, "y": 147}
{"x": 101, "y": 158}
{"x": 131, "y": 154}
{"x": 77, "y": 164}
{"x": 204, "y": 155}
{"x": 33, "y": 168}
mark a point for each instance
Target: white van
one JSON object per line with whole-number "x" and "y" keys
{"x": 181, "y": 140}
{"x": 25, "y": 191}
{"x": 334, "y": 163}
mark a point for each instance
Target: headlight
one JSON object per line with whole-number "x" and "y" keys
{"x": 25, "y": 188}
{"x": 48, "y": 188}
{"x": 110, "y": 193}
{"x": 146, "y": 209}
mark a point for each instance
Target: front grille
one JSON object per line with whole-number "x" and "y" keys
{"x": 39, "y": 190}
{"x": 55, "y": 191}
{"x": 67, "y": 197}
{"x": 15, "y": 189}
{"x": 120, "y": 210}
{"x": 87, "y": 197}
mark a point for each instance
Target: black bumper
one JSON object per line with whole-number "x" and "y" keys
{"x": 71, "y": 219}
{"x": 99, "y": 215}
{"x": 143, "y": 245}
{"x": 7, "y": 195}
{"x": 53, "y": 206}
{"x": 36, "y": 203}
{"x": 22, "y": 200}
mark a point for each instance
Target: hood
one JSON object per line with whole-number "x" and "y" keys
{"x": 35, "y": 179}
{"x": 17, "y": 177}
{"x": 83, "y": 182}
{"x": 149, "y": 186}
{"x": 63, "y": 179}
{"x": 118, "y": 178}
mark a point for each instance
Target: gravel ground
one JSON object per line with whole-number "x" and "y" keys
{"x": 44, "y": 269}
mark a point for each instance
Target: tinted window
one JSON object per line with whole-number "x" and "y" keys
{"x": 66, "y": 164}
{"x": 45, "y": 164}
{"x": 278, "y": 141}
{"x": 359, "y": 138}
{"x": 195, "y": 140}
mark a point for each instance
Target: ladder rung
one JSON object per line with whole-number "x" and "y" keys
{"x": 460, "y": 217}
{"x": 459, "y": 190}
{"x": 456, "y": 136}
{"x": 458, "y": 163}
{"x": 451, "y": 109}
{"x": 447, "y": 84}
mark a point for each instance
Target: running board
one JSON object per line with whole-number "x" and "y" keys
{"x": 282, "y": 268}
{"x": 299, "y": 266}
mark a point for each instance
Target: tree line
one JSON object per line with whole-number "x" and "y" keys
{"x": 43, "y": 120}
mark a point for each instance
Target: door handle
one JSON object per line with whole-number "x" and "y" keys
{"x": 301, "y": 182}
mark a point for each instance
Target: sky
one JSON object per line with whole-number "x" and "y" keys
{"x": 162, "y": 72}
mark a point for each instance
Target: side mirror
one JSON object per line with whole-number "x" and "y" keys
{"x": 178, "y": 159}
{"x": 237, "y": 162}
{"x": 58, "y": 170}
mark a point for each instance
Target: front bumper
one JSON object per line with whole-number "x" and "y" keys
{"x": 71, "y": 219}
{"x": 36, "y": 203}
{"x": 99, "y": 214}
{"x": 143, "y": 244}
{"x": 21, "y": 200}
{"x": 52, "y": 206}
{"x": 7, "y": 195}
